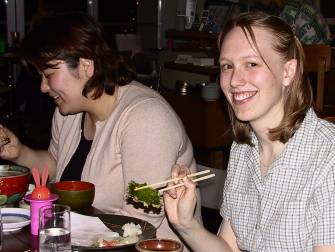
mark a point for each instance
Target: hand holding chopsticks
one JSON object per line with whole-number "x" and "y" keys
{"x": 4, "y": 141}
{"x": 178, "y": 179}
{"x": 180, "y": 184}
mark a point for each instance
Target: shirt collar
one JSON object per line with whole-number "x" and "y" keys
{"x": 300, "y": 146}
{"x": 298, "y": 149}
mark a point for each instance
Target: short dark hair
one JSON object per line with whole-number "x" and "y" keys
{"x": 298, "y": 96}
{"x": 70, "y": 36}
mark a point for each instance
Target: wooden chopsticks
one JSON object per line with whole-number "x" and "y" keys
{"x": 180, "y": 184}
{"x": 178, "y": 179}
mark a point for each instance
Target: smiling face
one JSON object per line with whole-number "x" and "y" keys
{"x": 253, "y": 87}
{"x": 65, "y": 86}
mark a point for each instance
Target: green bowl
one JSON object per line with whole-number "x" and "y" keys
{"x": 79, "y": 195}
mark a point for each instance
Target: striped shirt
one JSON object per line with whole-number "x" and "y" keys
{"x": 292, "y": 208}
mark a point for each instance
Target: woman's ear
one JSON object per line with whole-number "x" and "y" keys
{"x": 290, "y": 68}
{"x": 87, "y": 67}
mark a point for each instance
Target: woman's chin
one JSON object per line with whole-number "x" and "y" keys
{"x": 64, "y": 111}
{"x": 243, "y": 116}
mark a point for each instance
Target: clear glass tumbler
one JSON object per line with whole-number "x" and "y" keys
{"x": 1, "y": 230}
{"x": 54, "y": 228}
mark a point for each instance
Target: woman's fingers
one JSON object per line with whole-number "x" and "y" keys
{"x": 6, "y": 134}
{"x": 2, "y": 131}
{"x": 180, "y": 203}
{"x": 174, "y": 174}
{"x": 9, "y": 151}
{"x": 178, "y": 171}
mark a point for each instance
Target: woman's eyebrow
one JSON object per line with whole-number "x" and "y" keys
{"x": 252, "y": 56}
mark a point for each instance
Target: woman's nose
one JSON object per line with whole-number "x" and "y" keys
{"x": 237, "y": 78}
{"x": 44, "y": 86}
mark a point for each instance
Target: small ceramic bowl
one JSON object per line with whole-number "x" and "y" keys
{"x": 14, "y": 181}
{"x": 79, "y": 195}
{"x": 151, "y": 245}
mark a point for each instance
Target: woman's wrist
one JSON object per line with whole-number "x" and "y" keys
{"x": 20, "y": 154}
{"x": 189, "y": 227}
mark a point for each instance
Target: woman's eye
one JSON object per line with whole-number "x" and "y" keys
{"x": 47, "y": 75}
{"x": 225, "y": 67}
{"x": 252, "y": 64}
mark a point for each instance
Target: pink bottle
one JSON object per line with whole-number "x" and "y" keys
{"x": 35, "y": 206}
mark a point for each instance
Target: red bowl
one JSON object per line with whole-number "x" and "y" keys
{"x": 159, "y": 245}
{"x": 79, "y": 195}
{"x": 14, "y": 182}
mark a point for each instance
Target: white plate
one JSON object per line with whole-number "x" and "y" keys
{"x": 14, "y": 219}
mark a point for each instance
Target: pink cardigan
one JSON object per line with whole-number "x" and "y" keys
{"x": 141, "y": 140}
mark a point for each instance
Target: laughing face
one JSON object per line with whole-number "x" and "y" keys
{"x": 254, "y": 84}
{"x": 65, "y": 86}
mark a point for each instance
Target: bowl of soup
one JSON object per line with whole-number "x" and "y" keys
{"x": 14, "y": 182}
{"x": 79, "y": 195}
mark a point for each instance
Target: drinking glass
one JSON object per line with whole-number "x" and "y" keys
{"x": 54, "y": 228}
{"x": 154, "y": 245}
{"x": 1, "y": 230}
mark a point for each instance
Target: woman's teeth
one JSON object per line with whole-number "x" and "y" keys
{"x": 243, "y": 95}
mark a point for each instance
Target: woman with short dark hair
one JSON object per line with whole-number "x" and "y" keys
{"x": 107, "y": 128}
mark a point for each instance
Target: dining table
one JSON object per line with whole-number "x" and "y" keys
{"x": 23, "y": 241}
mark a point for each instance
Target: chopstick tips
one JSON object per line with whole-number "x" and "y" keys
{"x": 181, "y": 184}
{"x": 178, "y": 179}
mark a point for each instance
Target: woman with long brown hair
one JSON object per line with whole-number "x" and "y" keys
{"x": 279, "y": 194}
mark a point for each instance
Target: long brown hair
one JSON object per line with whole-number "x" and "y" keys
{"x": 69, "y": 37}
{"x": 298, "y": 96}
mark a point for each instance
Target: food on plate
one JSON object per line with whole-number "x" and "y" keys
{"x": 148, "y": 197}
{"x": 113, "y": 239}
{"x": 130, "y": 229}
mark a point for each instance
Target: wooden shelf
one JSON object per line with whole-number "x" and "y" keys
{"x": 208, "y": 50}
{"x": 191, "y": 35}
{"x": 197, "y": 42}
{"x": 206, "y": 122}
{"x": 208, "y": 70}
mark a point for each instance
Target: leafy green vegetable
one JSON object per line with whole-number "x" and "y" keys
{"x": 149, "y": 197}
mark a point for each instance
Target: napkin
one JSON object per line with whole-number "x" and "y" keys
{"x": 86, "y": 230}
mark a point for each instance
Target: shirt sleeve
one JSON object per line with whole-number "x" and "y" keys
{"x": 152, "y": 139}
{"x": 55, "y": 131}
{"x": 224, "y": 210}
{"x": 325, "y": 203}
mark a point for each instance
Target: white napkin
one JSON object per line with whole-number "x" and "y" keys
{"x": 86, "y": 230}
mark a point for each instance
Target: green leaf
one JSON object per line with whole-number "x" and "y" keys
{"x": 149, "y": 197}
